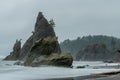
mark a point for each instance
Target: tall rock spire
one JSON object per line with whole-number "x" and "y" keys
{"x": 42, "y": 28}
{"x": 14, "y": 55}
{"x": 42, "y": 48}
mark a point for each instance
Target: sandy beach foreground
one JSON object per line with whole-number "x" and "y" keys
{"x": 89, "y": 77}
{"x": 91, "y": 72}
{"x": 113, "y": 75}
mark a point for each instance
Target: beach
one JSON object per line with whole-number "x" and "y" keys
{"x": 14, "y": 72}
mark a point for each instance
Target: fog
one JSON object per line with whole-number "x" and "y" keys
{"x": 73, "y": 18}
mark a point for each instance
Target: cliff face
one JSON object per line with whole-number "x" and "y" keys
{"x": 42, "y": 53}
{"x": 46, "y": 49}
{"x": 14, "y": 55}
{"x": 74, "y": 46}
{"x": 116, "y": 56}
{"x": 78, "y": 46}
{"x": 26, "y": 48}
{"x": 42, "y": 48}
{"x": 43, "y": 29}
{"x": 96, "y": 52}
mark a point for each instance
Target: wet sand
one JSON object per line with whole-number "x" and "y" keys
{"x": 113, "y": 77}
{"x": 80, "y": 78}
{"x": 89, "y": 77}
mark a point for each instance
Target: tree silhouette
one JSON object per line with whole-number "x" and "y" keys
{"x": 51, "y": 22}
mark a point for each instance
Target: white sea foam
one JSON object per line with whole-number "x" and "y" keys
{"x": 11, "y": 72}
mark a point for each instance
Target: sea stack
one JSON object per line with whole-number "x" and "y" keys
{"x": 42, "y": 29}
{"x": 94, "y": 52}
{"x": 42, "y": 47}
{"x": 14, "y": 55}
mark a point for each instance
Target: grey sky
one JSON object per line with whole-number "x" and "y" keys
{"x": 73, "y": 18}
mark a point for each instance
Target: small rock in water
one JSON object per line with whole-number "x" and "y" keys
{"x": 8, "y": 65}
{"x": 80, "y": 67}
{"x": 19, "y": 63}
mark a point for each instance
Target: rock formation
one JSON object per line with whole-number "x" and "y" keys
{"x": 26, "y": 48}
{"x": 116, "y": 56}
{"x": 64, "y": 59}
{"x": 42, "y": 48}
{"x": 95, "y": 52}
{"x": 16, "y": 51}
{"x": 46, "y": 49}
{"x": 42, "y": 30}
{"x": 43, "y": 53}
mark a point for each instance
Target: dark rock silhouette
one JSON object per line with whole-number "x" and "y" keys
{"x": 95, "y": 52}
{"x": 16, "y": 51}
{"x": 26, "y": 48}
{"x": 109, "y": 53}
{"x": 118, "y": 51}
{"x": 116, "y": 56}
{"x": 46, "y": 49}
{"x": 42, "y": 53}
{"x": 74, "y": 46}
{"x": 42, "y": 48}
{"x": 64, "y": 59}
{"x": 43, "y": 29}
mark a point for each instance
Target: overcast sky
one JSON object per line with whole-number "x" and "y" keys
{"x": 73, "y": 18}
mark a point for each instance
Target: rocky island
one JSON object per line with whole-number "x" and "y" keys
{"x": 95, "y": 52}
{"x": 93, "y": 48}
{"x": 42, "y": 47}
{"x": 14, "y": 55}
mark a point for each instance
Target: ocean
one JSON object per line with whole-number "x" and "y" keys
{"x": 9, "y": 71}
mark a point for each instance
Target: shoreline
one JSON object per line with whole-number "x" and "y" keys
{"x": 60, "y": 73}
{"x": 101, "y": 76}
{"x": 78, "y": 78}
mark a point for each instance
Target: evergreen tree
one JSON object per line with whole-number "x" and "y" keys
{"x": 52, "y": 23}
